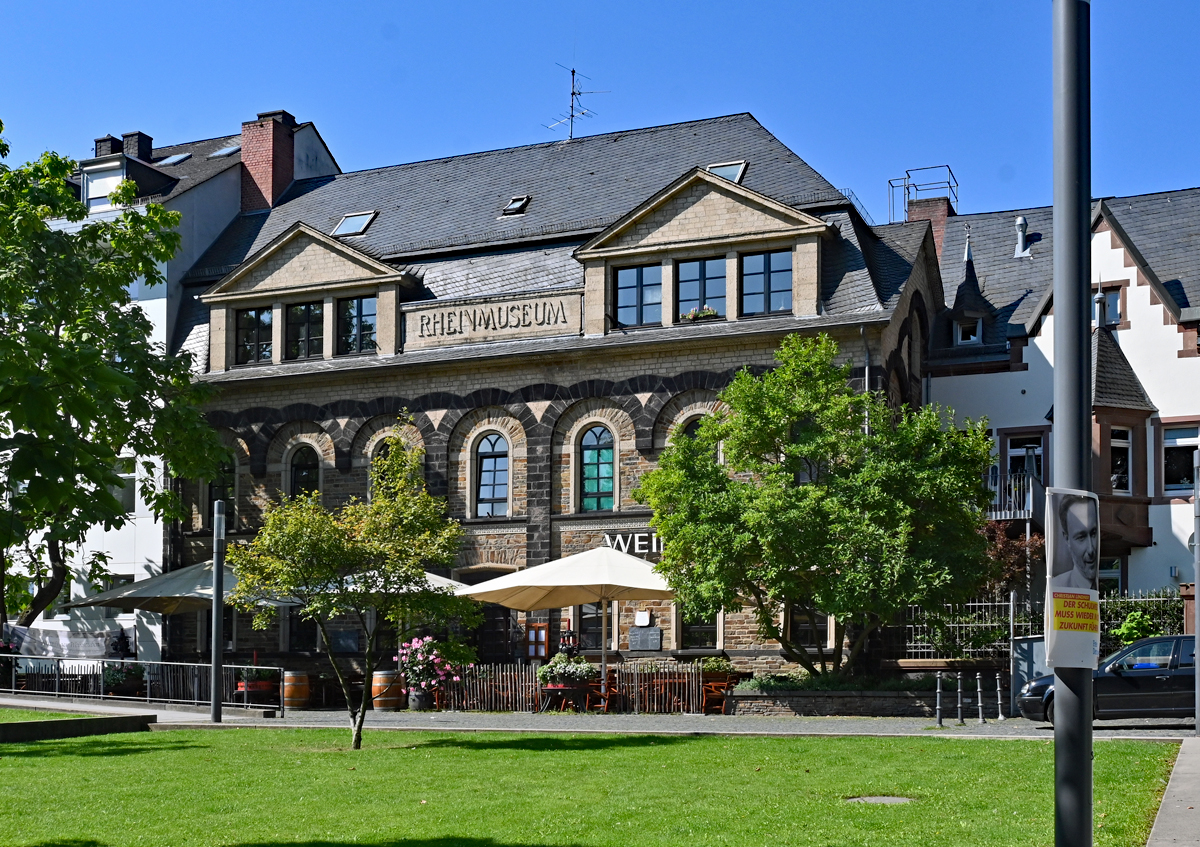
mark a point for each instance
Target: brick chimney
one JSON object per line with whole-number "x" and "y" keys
{"x": 268, "y": 163}
{"x": 108, "y": 145}
{"x": 935, "y": 210}
{"x": 138, "y": 145}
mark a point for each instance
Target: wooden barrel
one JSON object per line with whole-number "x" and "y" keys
{"x": 387, "y": 691}
{"x": 295, "y": 690}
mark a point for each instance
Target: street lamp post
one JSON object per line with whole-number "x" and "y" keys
{"x": 1072, "y": 384}
{"x": 217, "y": 686}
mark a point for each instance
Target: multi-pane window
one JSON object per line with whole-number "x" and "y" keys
{"x": 1179, "y": 443}
{"x": 491, "y": 493}
{"x": 356, "y": 325}
{"x": 808, "y": 630}
{"x": 126, "y": 490}
{"x": 639, "y": 296}
{"x": 590, "y": 624}
{"x": 700, "y": 286}
{"x": 699, "y": 631}
{"x": 305, "y": 331}
{"x": 1120, "y": 448}
{"x": 223, "y": 487}
{"x": 306, "y": 471}
{"x": 767, "y": 283}
{"x": 254, "y": 335}
{"x": 596, "y": 470}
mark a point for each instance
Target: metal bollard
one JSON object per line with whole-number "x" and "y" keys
{"x": 939, "y": 699}
{"x": 979, "y": 694}
{"x": 999, "y": 700}
{"x": 958, "y": 682}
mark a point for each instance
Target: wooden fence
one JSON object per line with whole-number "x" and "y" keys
{"x": 515, "y": 688}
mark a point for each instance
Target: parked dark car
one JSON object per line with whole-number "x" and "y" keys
{"x": 1151, "y": 678}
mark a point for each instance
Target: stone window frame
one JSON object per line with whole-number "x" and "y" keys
{"x": 640, "y": 269}
{"x": 614, "y": 631}
{"x": 1120, "y": 287}
{"x": 767, "y": 311}
{"x": 678, "y": 625}
{"x": 581, "y": 428}
{"x": 359, "y": 349}
{"x": 289, "y": 451}
{"x": 473, "y": 471}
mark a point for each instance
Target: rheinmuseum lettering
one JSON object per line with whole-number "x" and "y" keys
{"x": 491, "y": 319}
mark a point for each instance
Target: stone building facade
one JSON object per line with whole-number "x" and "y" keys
{"x": 544, "y": 319}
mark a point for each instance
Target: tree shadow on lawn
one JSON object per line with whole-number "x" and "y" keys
{"x": 554, "y": 743}
{"x": 93, "y": 746}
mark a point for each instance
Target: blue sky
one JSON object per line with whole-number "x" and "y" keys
{"x": 860, "y": 90}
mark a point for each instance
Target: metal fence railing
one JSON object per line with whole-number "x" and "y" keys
{"x": 1012, "y": 496}
{"x": 131, "y": 679}
{"x": 982, "y": 629}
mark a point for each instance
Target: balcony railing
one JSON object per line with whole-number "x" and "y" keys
{"x": 1013, "y": 496}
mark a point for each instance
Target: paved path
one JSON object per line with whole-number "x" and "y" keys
{"x": 1178, "y": 820}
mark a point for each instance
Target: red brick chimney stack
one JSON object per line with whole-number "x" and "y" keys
{"x": 268, "y": 163}
{"x": 935, "y": 210}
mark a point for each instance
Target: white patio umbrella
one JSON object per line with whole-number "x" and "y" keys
{"x": 600, "y": 575}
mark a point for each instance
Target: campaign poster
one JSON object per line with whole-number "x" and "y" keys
{"x": 1072, "y": 586}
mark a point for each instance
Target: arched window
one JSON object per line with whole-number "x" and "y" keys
{"x": 306, "y": 471}
{"x": 223, "y": 487}
{"x": 491, "y": 480}
{"x": 596, "y": 471}
{"x": 692, "y": 428}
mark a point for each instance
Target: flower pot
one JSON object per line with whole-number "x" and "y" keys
{"x": 420, "y": 701}
{"x": 256, "y": 685}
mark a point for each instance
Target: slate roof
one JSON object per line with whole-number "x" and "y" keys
{"x": 864, "y": 269}
{"x": 577, "y": 187}
{"x": 195, "y": 169}
{"x": 1165, "y": 229}
{"x": 1013, "y": 287}
{"x": 507, "y": 272}
{"x": 1113, "y": 381}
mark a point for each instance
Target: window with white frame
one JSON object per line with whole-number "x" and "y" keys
{"x": 1179, "y": 443}
{"x": 126, "y": 490}
{"x": 1021, "y": 450}
{"x": 1121, "y": 449}
{"x": 968, "y": 331}
{"x": 491, "y": 476}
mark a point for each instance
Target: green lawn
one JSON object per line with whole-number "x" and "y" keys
{"x": 14, "y": 715}
{"x": 256, "y": 788}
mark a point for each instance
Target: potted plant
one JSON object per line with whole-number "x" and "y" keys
{"x": 257, "y": 679}
{"x": 124, "y": 679}
{"x": 424, "y": 669}
{"x": 565, "y": 671}
{"x": 704, "y": 313}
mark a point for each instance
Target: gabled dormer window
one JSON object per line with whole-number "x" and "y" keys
{"x": 355, "y": 223}
{"x": 516, "y": 206}
{"x": 732, "y": 171}
{"x": 968, "y": 331}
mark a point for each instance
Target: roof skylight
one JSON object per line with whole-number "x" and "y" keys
{"x": 175, "y": 160}
{"x": 225, "y": 151}
{"x": 516, "y": 206}
{"x": 355, "y": 223}
{"x": 732, "y": 171}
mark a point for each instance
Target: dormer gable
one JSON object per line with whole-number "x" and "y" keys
{"x": 699, "y": 210}
{"x": 299, "y": 259}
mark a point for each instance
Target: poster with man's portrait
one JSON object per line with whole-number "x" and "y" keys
{"x": 1072, "y": 583}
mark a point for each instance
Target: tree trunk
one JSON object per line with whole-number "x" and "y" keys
{"x": 3, "y": 590}
{"x": 50, "y": 589}
{"x": 355, "y": 724}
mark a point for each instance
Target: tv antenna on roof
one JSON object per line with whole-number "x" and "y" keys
{"x": 577, "y": 109}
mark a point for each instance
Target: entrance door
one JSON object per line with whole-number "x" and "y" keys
{"x": 1139, "y": 682}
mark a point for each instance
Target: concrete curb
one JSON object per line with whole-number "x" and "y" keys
{"x": 24, "y": 731}
{"x": 1178, "y": 819}
{"x": 97, "y": 704}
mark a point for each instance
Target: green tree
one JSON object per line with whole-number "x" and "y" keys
{"x": 365, "y": 562}
{"x": 802, "y": 495}
{"x": 81, "y": 383}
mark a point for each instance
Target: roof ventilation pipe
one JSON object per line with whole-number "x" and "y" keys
{"x": 1022, "y": 251}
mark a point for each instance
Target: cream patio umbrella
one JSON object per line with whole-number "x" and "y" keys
{"x": 600, "y": 575}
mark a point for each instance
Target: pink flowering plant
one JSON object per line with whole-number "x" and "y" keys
{"x": 423, "y": 665}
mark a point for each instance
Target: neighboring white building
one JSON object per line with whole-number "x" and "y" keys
{"x": 207, "y": 183}
{"x": 992, "y": 355}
